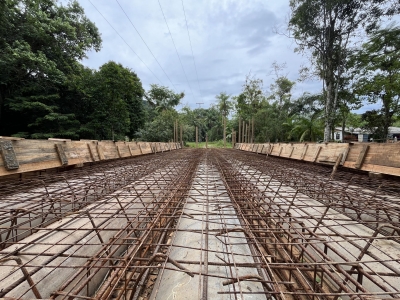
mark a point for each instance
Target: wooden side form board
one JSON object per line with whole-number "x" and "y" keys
{"x": 371, "y": 157}
{"x": 20, "y": 155}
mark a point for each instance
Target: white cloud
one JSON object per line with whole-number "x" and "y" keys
{"x": 230, "y": 38}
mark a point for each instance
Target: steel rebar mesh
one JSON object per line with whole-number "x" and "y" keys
{"x": 213, "y": 223}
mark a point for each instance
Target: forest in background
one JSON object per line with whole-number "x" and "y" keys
{"x": 46, "y": 92}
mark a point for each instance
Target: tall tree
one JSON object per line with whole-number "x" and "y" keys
{"x": 161, "y": 98}
{"x": 115, "y": 103}
{"x": 281, "y": 91}
{"x": 325, "y": 27}
{"x": 377, "y": 64}
{"x": 224, "y": 104}
{"x": 40, "y": 44}
{"x": 224, "y": 107}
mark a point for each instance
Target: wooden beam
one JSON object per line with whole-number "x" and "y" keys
{"x": 291, "y": 152}
{"x": 91, "y": 152}
{"x": 317, "y": 153}
{"x": 100, "y": 152}
{"x": 304, "y": 152}
{"x": 335, "y": 167}
{"x": 61, "y": 154}
{"x": 8, "y": 154}
{"x": 130, "y": 150}
{"x": 271, "y": 149}
{"x": 345, "y": 153}
{"x": 11, "y": 138}
{"x": 361, "y": 157}
{"x": 59, "y": 140}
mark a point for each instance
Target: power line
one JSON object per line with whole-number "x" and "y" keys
{"x": 176, "y": 50}
{"x": 145, "y": 43}
{"x": 190, "y": 41}
{"x": 126, "y": 42}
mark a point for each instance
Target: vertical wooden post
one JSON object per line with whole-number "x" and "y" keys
{"x": 252, "y": 130}
{"x": 224, "y": 132}
{"x": 240, "y": 121}
{"x": 243, "y": 126}
{"x": 174, "y": 132}
{"x": 250, "y": 134}
{"x": 181, "y": 136}
{"x": 206, "y": 141}
{"x": 245, "y": 134}
{"x": 177, "y": 130}
{"x": 197, "y": 137}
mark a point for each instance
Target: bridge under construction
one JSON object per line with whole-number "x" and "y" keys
{"x": 200, "y": 224}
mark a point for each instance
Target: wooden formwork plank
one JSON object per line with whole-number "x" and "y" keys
{"x": 21, "y": 156}
{"x": 280, "y": 151}
{"x": 8, "y": 154}
{"x": 317, "y": 153}
{"x": 61, "y": 154}
{"x": 373, "y": 157}
{"x": 304, "y": 152}
{"x": 100, "y": 152}
{"x": 291, "y": 152}
{"x": 92, "y": 152}
{"x": 361, "y": 157}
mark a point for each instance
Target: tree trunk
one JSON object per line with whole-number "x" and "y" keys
{"x": 329, "y": 109}
{"x": 387, "y": 121}
{"x": 224, "y": 132}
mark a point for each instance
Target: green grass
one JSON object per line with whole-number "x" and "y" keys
{"x": 216, "y": 144}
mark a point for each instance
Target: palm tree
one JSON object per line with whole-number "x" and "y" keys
{"x": 307, "y": 128}
{"x": 224, "y": 107}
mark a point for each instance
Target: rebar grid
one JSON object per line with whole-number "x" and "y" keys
{"x": 96, "y": 240}
{"x": 209, "y": 241}
{"x": 27, "y": 205}
{"x": 206, "y": 224}
{"x": 309, "y": 227}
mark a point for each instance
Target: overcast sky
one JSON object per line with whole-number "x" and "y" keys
{"x": 229, "y": 39}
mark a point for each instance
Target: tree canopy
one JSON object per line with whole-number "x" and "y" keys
{"x": 325, "y": 27}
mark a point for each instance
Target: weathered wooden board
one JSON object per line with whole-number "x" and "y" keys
{"x": 371, "y": 157}
{"x": 35, "y": 155}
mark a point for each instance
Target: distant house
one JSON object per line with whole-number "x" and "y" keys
{"x": 362, "y": 135}
{"x": 394, "y": 133}
{"x": 350, "y": 134}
